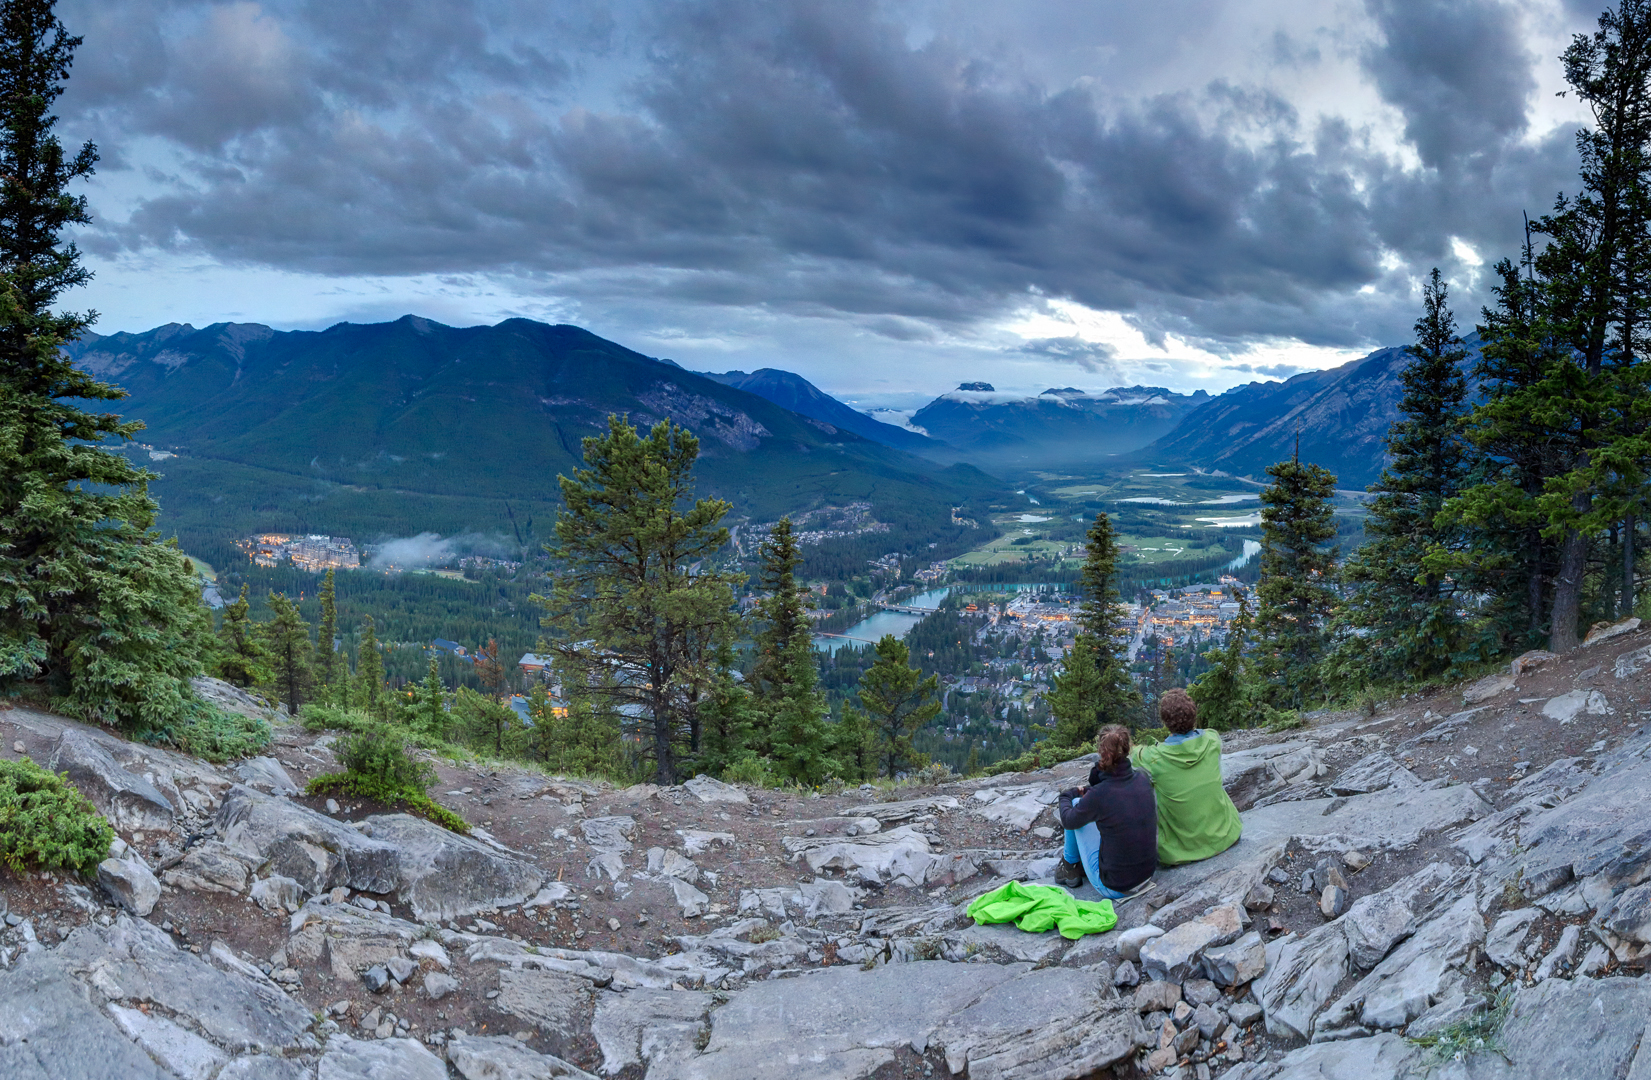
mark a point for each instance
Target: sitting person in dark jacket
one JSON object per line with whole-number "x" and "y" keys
{"x": 1112, "y": 825}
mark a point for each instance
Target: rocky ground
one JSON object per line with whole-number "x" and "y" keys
{"x": 1400, "y": 874}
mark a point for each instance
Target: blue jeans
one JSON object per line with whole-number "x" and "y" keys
{"x": 1083, "y": 846}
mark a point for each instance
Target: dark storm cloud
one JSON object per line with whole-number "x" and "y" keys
{"x": 800, "y": 157}
{"x": 1092, "y": 356}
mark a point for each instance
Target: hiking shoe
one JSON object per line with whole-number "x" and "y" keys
{"x": 1069, "y": 874}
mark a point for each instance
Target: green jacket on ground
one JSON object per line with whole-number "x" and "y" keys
{"x": 1036, "y": 908}
{"x": 1196, "y": 819}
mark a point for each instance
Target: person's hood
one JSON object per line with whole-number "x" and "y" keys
{"x": 1191, "y": 752}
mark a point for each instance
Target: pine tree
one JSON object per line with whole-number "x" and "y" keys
{"x": 1226, "y": 692}
{"x": 240, "y": 659}
{"x": 785, "y": 676}
{"x": 896, "y": 701}
{"x": 633, "y": 592}
{"x": 94, "y": 607}
{"x": 286, "y": 643}
{"x": 1094, "y": 686}
{"x": 426, "y": 712}
{"x": 728, "y": 714}
{"x": 1401, "y": 608}
{"x": 369, "y": 672}
{"x": 578, "y": 737}
{"x": 489, "y": 669}
{"x": 327, "y": 660}
{"x": 1295, "y": 592}
{"x": 854, "y": 746}
{"x": 1595, "y": 270}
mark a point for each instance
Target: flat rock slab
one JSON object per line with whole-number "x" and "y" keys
{"x": 134, "y": 962}
{"x": 1017, "y": 811}
{"x": 667, "y": 1022}
{"x": 839, "y": 1024}
{"x": 1302, "y": 973}
{"x": 1413, "y": 978}
{"x": 1576, "y": 1029}
{"x": 499, "y": 1057}
{"x": 557, "y": 1003}
{"x": 1603, "y": 829}
{"x": 319, "y": 853}
{"x": 1384, "y": 1057}
{"x": 1052, "y": 1022}
{"x": 379, "y": 1059}
{"x": 1012, "y": 941}
{"x": 50, "y": 1031}
{"x": 1373, "y": 772}
{"x": 1567, "y": 707}
{"x": 445, "y": 876}
{"x": 1378, "y": 822}
{"x": 893, "y": 813}
{"x": 901, "y": 853}
{"x": 609, "y": 833}
{"x": 1252, "y": 774}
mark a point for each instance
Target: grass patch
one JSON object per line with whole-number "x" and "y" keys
{"x": 1480, "y": 1033}
{"x": 46, "y": 824}
{"x": 378, "y": 765}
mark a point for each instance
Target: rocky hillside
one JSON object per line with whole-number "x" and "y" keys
{"x": 1459, "y": 866}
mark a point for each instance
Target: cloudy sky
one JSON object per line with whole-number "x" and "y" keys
{"x": 886, "y": 197}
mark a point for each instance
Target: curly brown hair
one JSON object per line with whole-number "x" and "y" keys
{"x": 1178, "y": 711}
{"x": 1113, "y": 745}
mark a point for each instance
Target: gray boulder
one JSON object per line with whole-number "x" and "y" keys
{"x": 1174, "y": 955}
{"x": 1503, "y": 943}
{"x": 1578, "y": 1029}
{"x": 708, "y": 790}
{"x": 445, "y": 876}
{"x": 1302, "y": 972}
{"x": 1234, "y": 965}
{"x": 282, "y": 837}
{"x": 126, "y": 799}
{"x": 894, "y": 813}
{"x": 277, "y": 893}
{"x": 130, "y": 884}
{"x": 266, "y": 774}
{"x": 1412, "y": 978}
{"x": 1374, "y": 925}
{"x": 630, "y": 1028}
{"x": 1048, "y": 1022}
{"x": 1628, "y": 914}
{"x": 380, "y": 1059}
{"x": 609, "y": 833}
{"x": 548, "y": 999}
{"x": 499, "y": 1057}
{"x": 210, "y": 866}
{"x": 1373, "y": 772}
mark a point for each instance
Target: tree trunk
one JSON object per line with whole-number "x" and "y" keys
{"x": 1562, "y": 635}
{"x": 1628, "y": 566}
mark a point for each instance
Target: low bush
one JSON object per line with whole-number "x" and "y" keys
{"x": 379, "y": 765}
{"x": 46, "y": 824}
{"x": 217, "y": 735}
{"x": 1039, "y": 757}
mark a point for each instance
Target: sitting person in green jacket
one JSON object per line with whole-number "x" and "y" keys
{"x": 1196, "y": 819}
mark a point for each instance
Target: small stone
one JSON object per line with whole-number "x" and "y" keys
{"x": 613, "y": 924}
{"x": 1126, "y": 975}
{"x": 377, "y": 978}
{"x": 438, "y": 985}
{"x": 491, "y": 994}
{"x": 339, "y": 1008}
{"x": 1180, "y": 1013}
{"x": 1259, "y": 898}
{"x": 1307, "y": 883}
{"x": 1185, "y": 1041}
{"x": 401, "y": 968}
{"x": 1156, "y": 995}
{"x": 1355, "y": 860}
{"x": 1278, "y": 876}
{"x": 1333, "y": 901}
{"x": 1130, "y": 941}
{"x": 1208, "y": 1021}
{"x": 371, "y": 1020}
{"x": 1044, "y": 832}
{"x": 17, "y": 747}
{"x": 1244, "y": 1013}
{"x": 332, "y": 806}
{"x": 1594, "y": 960}
{"x": 1200, "y": 992}
{"x": 1241, "y": 962}
{"x": 1161, "y": 1059}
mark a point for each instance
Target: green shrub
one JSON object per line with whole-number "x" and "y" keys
{"x": 753, "y": 770}
{"x": 45, "y": 823}
{"x": 378, "y": 765}
{"x": 314, "y": 717}
{"x": 217, "y": 735}
{"x": 1039, "y": 757}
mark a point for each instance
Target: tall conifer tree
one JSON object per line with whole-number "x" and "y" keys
{"x": 369, "y": 672}
{"x": 93, "y": 605}
{"x": 1295, "y": 595}
{"x": 240, "y": 658}
{"x": 895, "y": 702}
{"x": 1403, "y": 607}
{"x": 327, "y": 660}
{"x": 1094, "y": 686}
{"x": 288, "y": 649}
{"x": 785, "y": 676}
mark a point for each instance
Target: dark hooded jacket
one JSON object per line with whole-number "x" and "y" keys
{"x": 1123, "y": 807}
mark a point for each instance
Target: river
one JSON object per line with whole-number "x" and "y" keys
{"x": 1252, "y": 548}
{"x": 875, "y": 626}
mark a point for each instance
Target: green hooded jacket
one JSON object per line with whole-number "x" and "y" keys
{"x": 1196, "y": 819}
